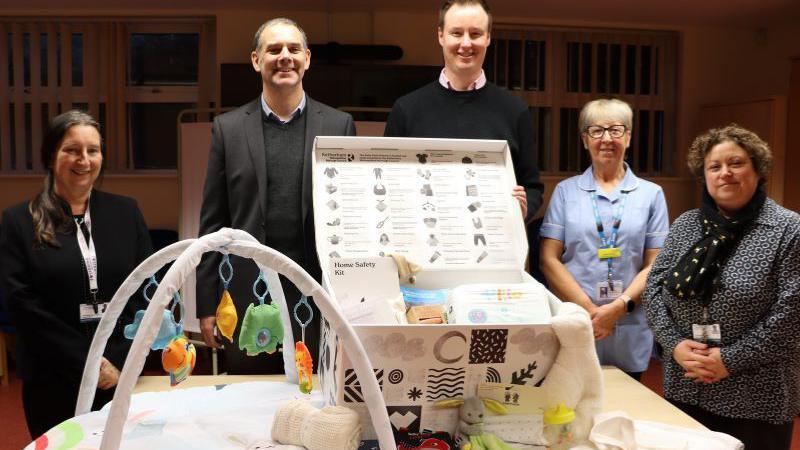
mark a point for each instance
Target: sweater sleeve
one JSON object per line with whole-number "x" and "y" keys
{"x": 773, "y": 337}
{"x": 525, "y": 167}
{"x": 654, "y": 297}
{"x": 39, "y": 328}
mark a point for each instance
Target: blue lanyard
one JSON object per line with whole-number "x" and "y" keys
{"x": 605, "y": 242}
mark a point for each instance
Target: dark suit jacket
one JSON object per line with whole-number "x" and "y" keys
{"x": 44, "y": 287}
{"x": 235, "y": 195}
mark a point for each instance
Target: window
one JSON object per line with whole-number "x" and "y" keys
{"x": 557, "y": 70}
{"x": 134, "y": 76}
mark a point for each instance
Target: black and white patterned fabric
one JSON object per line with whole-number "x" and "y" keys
{"x": 756, "y": 301}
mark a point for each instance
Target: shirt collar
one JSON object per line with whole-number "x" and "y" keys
{"x": 477, "y": 84}
{"x": 629, "y": 183}
{"x": 268, "y": 111}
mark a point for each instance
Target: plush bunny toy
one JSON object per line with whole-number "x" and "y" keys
{"x": 471, "y": 413}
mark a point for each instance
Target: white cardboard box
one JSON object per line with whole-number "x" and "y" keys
{"x": 445, "y": 204}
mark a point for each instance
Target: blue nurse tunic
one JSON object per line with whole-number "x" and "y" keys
{"x": 644, "y": 224}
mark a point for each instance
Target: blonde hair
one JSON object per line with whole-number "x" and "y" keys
{"x": 605, "y": 108}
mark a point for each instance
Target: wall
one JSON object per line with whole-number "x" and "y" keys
{"x": 716, "y": 65}
{"x": 792, "y": 186}
{"x": 157, "y": 195}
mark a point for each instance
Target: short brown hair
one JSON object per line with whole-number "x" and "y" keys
{"x": 757, "y": 149}
{"x": 256, "y": 45}
{"x": 450, "y": 3}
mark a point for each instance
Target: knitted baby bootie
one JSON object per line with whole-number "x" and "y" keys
{"x": 288, "y": 422}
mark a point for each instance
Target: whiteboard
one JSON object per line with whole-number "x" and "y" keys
{"x": 195, "y": 139}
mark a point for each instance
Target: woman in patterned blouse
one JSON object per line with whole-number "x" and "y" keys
{"x": 722, "y": 297}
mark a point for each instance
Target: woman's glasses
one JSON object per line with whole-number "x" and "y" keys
{"x": 615, "y": 131}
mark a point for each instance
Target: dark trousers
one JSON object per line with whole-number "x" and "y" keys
{"x": 50, "y": 402}
{"x": 755, "y": 434}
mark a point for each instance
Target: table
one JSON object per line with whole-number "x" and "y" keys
{"x": 621, "y": 393}
{"x": 624, "y": 393}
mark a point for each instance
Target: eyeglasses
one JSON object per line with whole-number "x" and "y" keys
{"x": 615, "y": 131}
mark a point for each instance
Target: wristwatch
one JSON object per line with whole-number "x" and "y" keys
{"x": 630, "y": 305}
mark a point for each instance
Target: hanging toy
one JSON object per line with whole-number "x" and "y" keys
{"x": 178, "y": 355}
{"x": 169, "y": 327}
{"x": 226, "y": 311}
{"x": 262, "y": 329}
{"x": 178, "y": 359}
{"x": 302, "y": 357}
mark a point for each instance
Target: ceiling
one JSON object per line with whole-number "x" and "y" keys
{"x": 736, "y": 13}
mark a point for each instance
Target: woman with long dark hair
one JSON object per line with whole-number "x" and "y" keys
{"x": 63, "y": 255}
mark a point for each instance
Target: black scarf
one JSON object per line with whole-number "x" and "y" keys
{"x": 694, "y": 274}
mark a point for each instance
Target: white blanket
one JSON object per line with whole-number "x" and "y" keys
{"x": 616, "y": 431}
{"x": 236, "y": 416}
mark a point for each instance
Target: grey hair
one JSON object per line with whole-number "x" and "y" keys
{"x": 256, "y": 46}
{"x": 605, "y": 108}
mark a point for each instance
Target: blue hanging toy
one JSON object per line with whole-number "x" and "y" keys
{"x": 178, "y": 355}
{"x": 169, "y": 327}
{"x": 262, "y": 329}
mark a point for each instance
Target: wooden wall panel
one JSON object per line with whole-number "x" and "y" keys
{"x": 791, "y": 185}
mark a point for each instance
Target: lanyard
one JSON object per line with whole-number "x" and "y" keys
{"x": 87, "y": 252}
{"x": 605, "y": 242}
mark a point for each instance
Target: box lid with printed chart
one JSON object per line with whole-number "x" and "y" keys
{"x": 447, "y": 206}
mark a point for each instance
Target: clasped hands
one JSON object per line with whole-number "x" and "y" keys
{"x": 605, "y": 317}
{"x": 702, "y": 363}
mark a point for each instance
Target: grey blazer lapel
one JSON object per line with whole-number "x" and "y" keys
{"x": 313, "y": 129}
{"x": 254, "y": 134}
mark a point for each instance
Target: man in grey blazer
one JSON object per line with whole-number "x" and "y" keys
{"x": 259, "y": 180}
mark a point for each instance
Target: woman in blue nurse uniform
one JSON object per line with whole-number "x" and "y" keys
{"x": 600, "y": 235}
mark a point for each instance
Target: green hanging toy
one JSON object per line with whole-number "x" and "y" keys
{"x": 262, "y": 329}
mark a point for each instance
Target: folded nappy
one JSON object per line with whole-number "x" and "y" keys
{"x": 498, "y": 303}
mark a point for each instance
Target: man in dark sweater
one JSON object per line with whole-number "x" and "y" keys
{"x": 259, "y": 180}
{"x": 462, "y": 104}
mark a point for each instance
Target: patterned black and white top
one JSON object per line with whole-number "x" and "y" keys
{"x": 756, "y": 301}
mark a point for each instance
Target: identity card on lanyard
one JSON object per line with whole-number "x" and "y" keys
{"x": 707, "y": 332}
{"x": 609, "y": 289}
{"x": 94, "y": 309}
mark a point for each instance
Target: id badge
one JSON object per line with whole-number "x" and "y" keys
{"x": 609, "y": 253}
{"x": 607, "y": 293}
{"x": 92, "y": 312}
{"x": 707, "y": 334}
